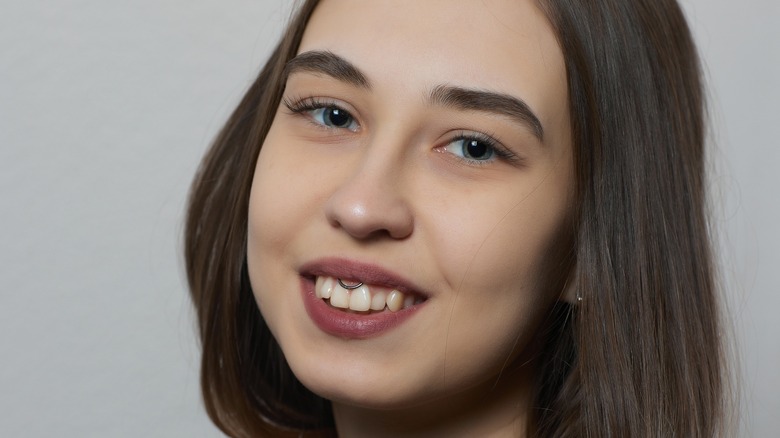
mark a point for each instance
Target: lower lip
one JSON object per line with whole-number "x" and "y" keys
{"x": 350, "y": 325}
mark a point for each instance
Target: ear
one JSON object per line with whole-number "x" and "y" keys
{"x": 570, "y": 294}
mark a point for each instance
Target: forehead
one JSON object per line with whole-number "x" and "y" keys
{"x": 506, "y": 46}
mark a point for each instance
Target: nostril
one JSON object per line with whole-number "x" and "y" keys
{"x": 369, "y": 220}
{"x": 370, "y": 207}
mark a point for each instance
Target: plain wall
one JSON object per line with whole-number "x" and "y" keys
{"x": 105, "y": 111}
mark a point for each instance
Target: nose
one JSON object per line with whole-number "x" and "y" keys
{"x": 371, "y": 202}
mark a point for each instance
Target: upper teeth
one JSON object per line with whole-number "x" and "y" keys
{"x": 363, "y": 298}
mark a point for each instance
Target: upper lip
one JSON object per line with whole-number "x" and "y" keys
{"x": 367, "y": 273}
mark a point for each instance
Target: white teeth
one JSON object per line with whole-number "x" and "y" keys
{"x": 395, "y": 301}
{"x": 360, "y": 299}
{"x": 363, "y": 298}
{"x": 327, "y": 287}
{"x": 378, "y": 301}
{"x": 339, "y": 297}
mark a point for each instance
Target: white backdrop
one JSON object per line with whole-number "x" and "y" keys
{"x": 105, "y": 110}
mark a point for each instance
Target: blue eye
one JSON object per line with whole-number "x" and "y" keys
{"x": 473, "y": 149}
{"x": 323, "y": 113}
{"x": 333, "y": 117}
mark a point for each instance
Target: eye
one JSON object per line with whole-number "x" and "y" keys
{"x": 472, "y": 149}
{"x": 479, "y": 149}
{"x": 334, "y": 117}
{"x": 325, "y": 114}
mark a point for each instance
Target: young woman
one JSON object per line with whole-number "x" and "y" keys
{"x": 462, "y": 218}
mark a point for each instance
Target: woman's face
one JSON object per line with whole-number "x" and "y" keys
{"x": 421, "y": 147}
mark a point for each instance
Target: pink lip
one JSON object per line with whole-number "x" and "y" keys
{"x": 353, "y": 325}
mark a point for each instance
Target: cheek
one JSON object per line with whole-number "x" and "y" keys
{"x": 287, "y": 191}
{"x": 499, "y": 270}
{"x": 275, "y": 185}
{"x": 280, "y": 202}
{"x": 506, "y": 242}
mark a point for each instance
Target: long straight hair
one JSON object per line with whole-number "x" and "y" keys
{"x": 649, "y": 359}
{"x": 639, "y": 356}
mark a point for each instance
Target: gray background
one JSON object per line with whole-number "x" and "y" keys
{"x": 105, "y": 110}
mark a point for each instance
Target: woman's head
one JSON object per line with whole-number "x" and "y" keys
{"x": 465, "y": 155}
{"x": 451, "y": 169}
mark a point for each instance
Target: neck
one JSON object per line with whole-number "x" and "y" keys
{"x": 494, "y": 409}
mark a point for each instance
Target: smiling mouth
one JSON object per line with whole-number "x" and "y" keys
{"x": 365, "y": 298}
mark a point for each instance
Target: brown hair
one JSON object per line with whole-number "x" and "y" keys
{"x": 639, "y": 356}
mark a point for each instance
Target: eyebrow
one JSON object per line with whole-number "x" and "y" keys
{"x": 330, "y": 64}
{"x": 487, "y": 102}
{"x": 327, "y": 63}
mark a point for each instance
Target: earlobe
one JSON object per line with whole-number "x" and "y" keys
{"x": 571, "y": 293}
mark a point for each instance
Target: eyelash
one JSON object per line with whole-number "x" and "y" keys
{"x": 300, "y": 106}
{"x": 303, "y": 105}
{"x": 498, "y": 149}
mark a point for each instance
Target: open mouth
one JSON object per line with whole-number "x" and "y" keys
{"x": 357, "y": 297}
